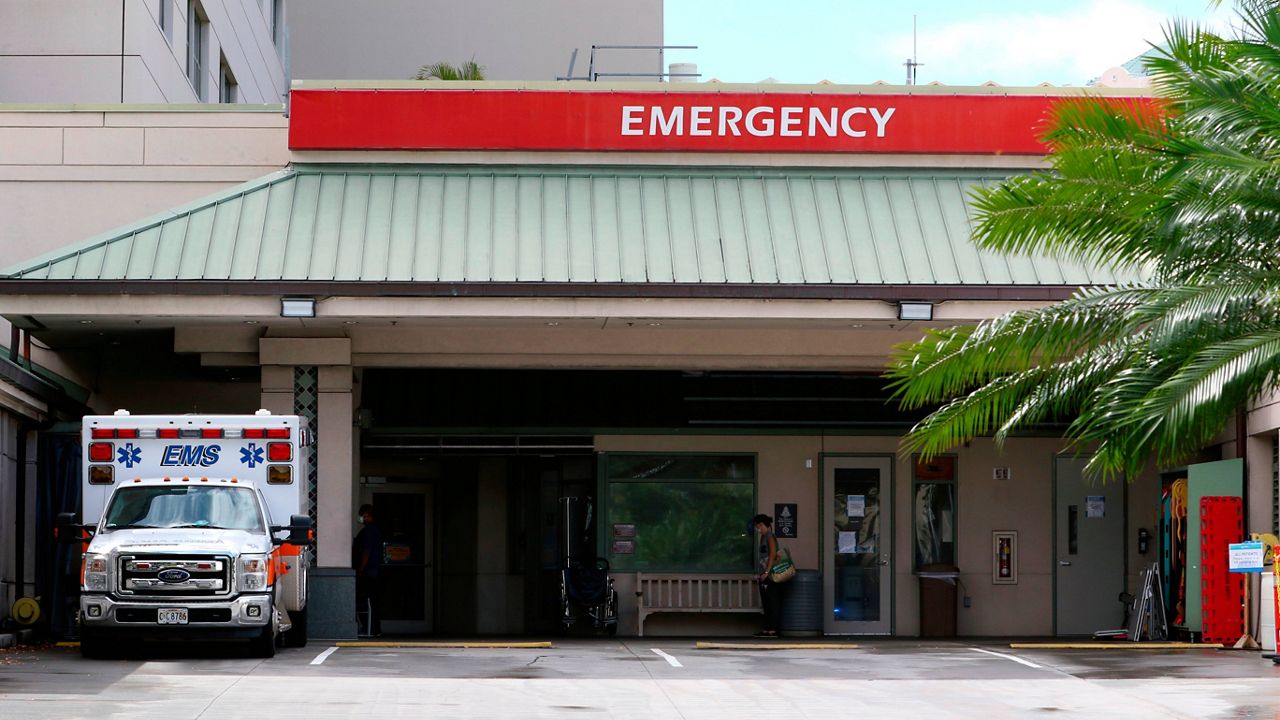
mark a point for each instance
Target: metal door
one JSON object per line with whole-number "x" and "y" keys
{"x": 1089, "y": 549}
{"x": 857, "y": 574}
{"x": 408, "y": 575}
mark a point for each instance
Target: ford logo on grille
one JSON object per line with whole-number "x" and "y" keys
{"x": 173, "y": 575}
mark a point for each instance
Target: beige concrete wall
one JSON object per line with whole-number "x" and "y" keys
{"x": 113, "y": 168}
{"x": 116, "y": 51}
{"x": 984, "y": 505}
{"x": 512, "y": 39}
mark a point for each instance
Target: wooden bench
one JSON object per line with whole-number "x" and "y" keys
{"x": 695, "y": 593}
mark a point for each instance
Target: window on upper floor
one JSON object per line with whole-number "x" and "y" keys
{"x": 197, "y": 39}
{"x": 228, "y": 90}
{"x": 164, "y": 17}
{"x": 273, "y": 11}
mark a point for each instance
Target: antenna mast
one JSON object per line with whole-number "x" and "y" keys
{"x": 911, "y": 61}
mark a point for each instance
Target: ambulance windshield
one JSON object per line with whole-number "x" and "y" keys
{"x": 184, "y": 506}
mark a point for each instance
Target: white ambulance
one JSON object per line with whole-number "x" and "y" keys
{"x": 195, "y": 528}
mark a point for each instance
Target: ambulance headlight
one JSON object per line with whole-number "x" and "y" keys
{"x": 95, "y": 572}
{"x": 253, "y": 572}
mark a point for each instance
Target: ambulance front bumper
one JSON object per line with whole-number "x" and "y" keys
{"x": 248, "y": 612}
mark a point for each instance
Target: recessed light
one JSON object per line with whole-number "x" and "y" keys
{"x": 350, "y": 322}
{"x": 86, "y": 322}
{"x": 250, "y": 322}
{"x": 553, "y": 324}
{"x": 856, "y": 325}
{"x": 655, "y": 324}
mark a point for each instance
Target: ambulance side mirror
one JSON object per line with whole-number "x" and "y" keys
{"x": 301, "y": 531}
{"x": 67, "y": 531}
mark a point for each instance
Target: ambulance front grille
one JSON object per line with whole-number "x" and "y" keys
{"x": 175, "y": 575}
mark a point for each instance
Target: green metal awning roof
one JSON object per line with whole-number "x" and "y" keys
{"x": 556, "y": 224}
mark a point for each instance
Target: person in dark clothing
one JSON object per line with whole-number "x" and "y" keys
{"x": 366, "y": 555}
{"x": 770, "y": 592}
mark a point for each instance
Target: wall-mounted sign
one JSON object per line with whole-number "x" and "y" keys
{"x": 665, "y": 121}
{"x": 784, "y": 520}
{"x": 856, "y": 505}
{"x": 1245, "y": 557}
{"x": 624, "y": 547}
{"x": 1095, "y": 506}
{"x": 624, "y": 530}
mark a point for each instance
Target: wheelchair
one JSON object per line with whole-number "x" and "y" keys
{"x": 586, "y": 593}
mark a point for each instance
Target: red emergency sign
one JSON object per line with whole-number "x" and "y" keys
{"x": 663, "y": 121}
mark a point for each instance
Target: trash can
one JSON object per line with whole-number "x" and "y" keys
{"x": 802, "y": 605}
{"x": 938, "y": 600}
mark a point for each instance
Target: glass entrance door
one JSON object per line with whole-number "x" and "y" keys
{"x": 856, "y": 570}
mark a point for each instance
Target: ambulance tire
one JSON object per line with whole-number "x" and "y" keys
{"x": 296, "y": 636}
{"x": 264, "y": 646}
{"x": 92, "y": 647}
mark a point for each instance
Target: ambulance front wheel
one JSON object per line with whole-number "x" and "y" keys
{"x": 92, "y": 646}
{"x": 264, "y": 646}
{"x": 296, "y": 636}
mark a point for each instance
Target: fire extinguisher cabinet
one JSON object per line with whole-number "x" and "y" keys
{"x": 938, "y": 600}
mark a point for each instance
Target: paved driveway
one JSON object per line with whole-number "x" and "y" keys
{"x": 628, "y": 679}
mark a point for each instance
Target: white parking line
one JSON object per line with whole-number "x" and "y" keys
{"x": 672, "y": 661}
{"x": 1018, "y": 660}
{"x": 322, "y": 656}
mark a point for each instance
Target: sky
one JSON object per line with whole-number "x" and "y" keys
{"x": 961, "y": 42}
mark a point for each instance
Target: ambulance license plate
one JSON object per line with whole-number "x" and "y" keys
{"x": 171, "y": 616}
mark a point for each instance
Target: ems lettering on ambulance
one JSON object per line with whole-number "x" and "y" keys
{"x": 190, "y": 455}
{"x": 761, "y": 121}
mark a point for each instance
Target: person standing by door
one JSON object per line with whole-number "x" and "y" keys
{"x": 770, "y": 592}
{"x": 366, "y": 556}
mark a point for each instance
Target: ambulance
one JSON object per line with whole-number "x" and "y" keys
{"x": 194, "y": 527}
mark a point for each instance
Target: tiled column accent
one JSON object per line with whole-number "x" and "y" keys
{"x": 320, "y": 382}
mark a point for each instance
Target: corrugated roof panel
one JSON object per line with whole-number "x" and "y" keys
{"x": 555, "y": 229}
{"x": 275, "y": 231}
{"x": 222, "y": 233}
{"x": 809, "y": 232}
{"x": 933, "y": 230}
{"x": 326, "y": 227}
{"x": 654, "y": 231}
{"x": 705, "y": 220}
{"x": 685, "y": 261}
{"x": 581, "y": 225}
{"x": 430, "y": 232}
{"x": 954, "y": 217}
{"x": 855, "y": 223}
{"x": 734, "y": 248}
{"x": 829, "y": 219}
{"x": 377, "y": 227}
{"x": 192, "y": 257}
{"x": 503, "y": 236}
{"x": 579, "y": 219}
{"x": 604, "y": 223}
{"x": 528, "y": 216}
{"x": 143, "y": 254}
{"x": 244, "y": 261}
{"x": 918, "y": 257}
{"x": 89, "y": 264}
{"x": 299, "y": 243}
{"x": 784, "y": 246}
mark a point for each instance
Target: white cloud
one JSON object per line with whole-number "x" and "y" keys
{"x": 1025, "y": 49}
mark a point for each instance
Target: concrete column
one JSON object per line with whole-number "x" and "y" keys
{"x": 334, "y": 460}
{"x": 491, "y": 548}
{"x": 277, "y": 389}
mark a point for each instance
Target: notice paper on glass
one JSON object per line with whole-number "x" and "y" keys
{"x": 847, "y": 543}
{"x": 857, "y": 505}
{"x": 1095, "y": 506}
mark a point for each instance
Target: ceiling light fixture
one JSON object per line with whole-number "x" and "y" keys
{"x": 297, "y": 307}
{"x": 909, "y": 310}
